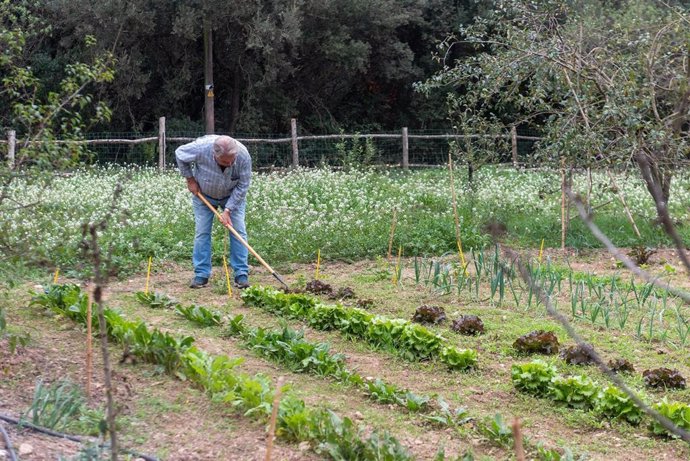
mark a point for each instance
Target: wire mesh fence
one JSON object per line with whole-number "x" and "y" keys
{"x": 406, "y": 148}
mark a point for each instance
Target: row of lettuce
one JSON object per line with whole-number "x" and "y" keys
{"x": 542, "y": 379}
{"x": 411, "y": 341}
{"x": 329, "y": 434}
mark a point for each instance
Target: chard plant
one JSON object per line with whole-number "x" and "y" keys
{"x": 199, "y": 315}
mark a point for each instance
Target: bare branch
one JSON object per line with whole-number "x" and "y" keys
{"x": 622, "y": 257}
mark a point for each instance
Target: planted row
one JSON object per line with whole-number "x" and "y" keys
{"x": 197, "y": 314}
{"x": 412, "y": 342}
{"x": 288, "y": 347}
{"x": 540, "y": 379}
{"x": 327, "y": 433}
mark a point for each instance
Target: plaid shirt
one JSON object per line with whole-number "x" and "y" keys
{"x": 232, "y": 183}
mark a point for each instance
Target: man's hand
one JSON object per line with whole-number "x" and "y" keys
{"x": 225, "y": 218}
{"x": 193, "y": 186}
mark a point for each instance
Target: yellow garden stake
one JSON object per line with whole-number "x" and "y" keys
{"x": 318, "y": 264}
{"x": 541, "y": 250}
{"x": 148, "y": 276}
{"x": 455, "y": 214}
{"x": 55, "y": 277}
{"x": 227, "y": 275}
{"x": 462, "y": 258}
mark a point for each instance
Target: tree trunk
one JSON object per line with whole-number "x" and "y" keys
{"x": 658, "y": 181}
{"x": 235, "y": 100}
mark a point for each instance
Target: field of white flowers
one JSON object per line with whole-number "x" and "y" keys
{"x": 344, "y": 214}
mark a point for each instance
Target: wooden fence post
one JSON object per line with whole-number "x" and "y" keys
{"x": 295, "y": 150}
{"x": 161, "y": 143}
{"x": 513, "y": 136}
{"x": 11, "y": 147}
{"x": 406, "y": 149}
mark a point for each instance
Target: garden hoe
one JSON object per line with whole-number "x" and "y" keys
{"x": 244, "y": 242}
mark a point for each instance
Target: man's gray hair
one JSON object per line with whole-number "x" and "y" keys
{"x": 225, "y": 146}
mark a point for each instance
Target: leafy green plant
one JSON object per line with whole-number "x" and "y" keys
{"x": 614, "y": 403}
{"x": 13, "y": 340}
{"x": 533, "y": 377}
{"x": 161, "y": 349}
{"x": 155, "y": 300}
{"x": 418, "y": 343}
{"x": 677, "y": 412}
{"x": 55, "y": 405}
{"x": 551, "y": 454}
{"x": 446, "y": 416}
{"x": 459, "y": 359}
{"x": 318, "y": 287}
{"x": 496, "y": 430}
{"x": 575, "y": 391}
{"x": 199, "y": 315}
{"x": 641, "y": 254}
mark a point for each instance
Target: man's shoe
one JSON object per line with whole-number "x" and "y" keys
{"x": 198, "y": 282}
{"x": 242, "y": 282}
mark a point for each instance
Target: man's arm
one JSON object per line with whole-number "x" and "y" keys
{"x": 240, "y": 191}
{"x": 185, "y": 156}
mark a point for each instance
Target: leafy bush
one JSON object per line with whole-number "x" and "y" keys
{"x": 539, "y": 341}
{"x": 575, "y": 391}
{"x": 664, "y": 377}
{"x": 533, "y": 377}
{"x": 621, "y": 366}
{"x": 614, "y": 403}
{"x": 468, "y": 325}
{"x": 580, "y": 354}
{"x": 429, "y": 314}
{"x": 677, "y": 412}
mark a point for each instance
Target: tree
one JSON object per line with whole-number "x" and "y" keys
{"x": 42, "y": 111}
{"x": 603, "y": 87}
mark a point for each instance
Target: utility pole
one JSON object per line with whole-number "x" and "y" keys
{"x": 209, "y": 113}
